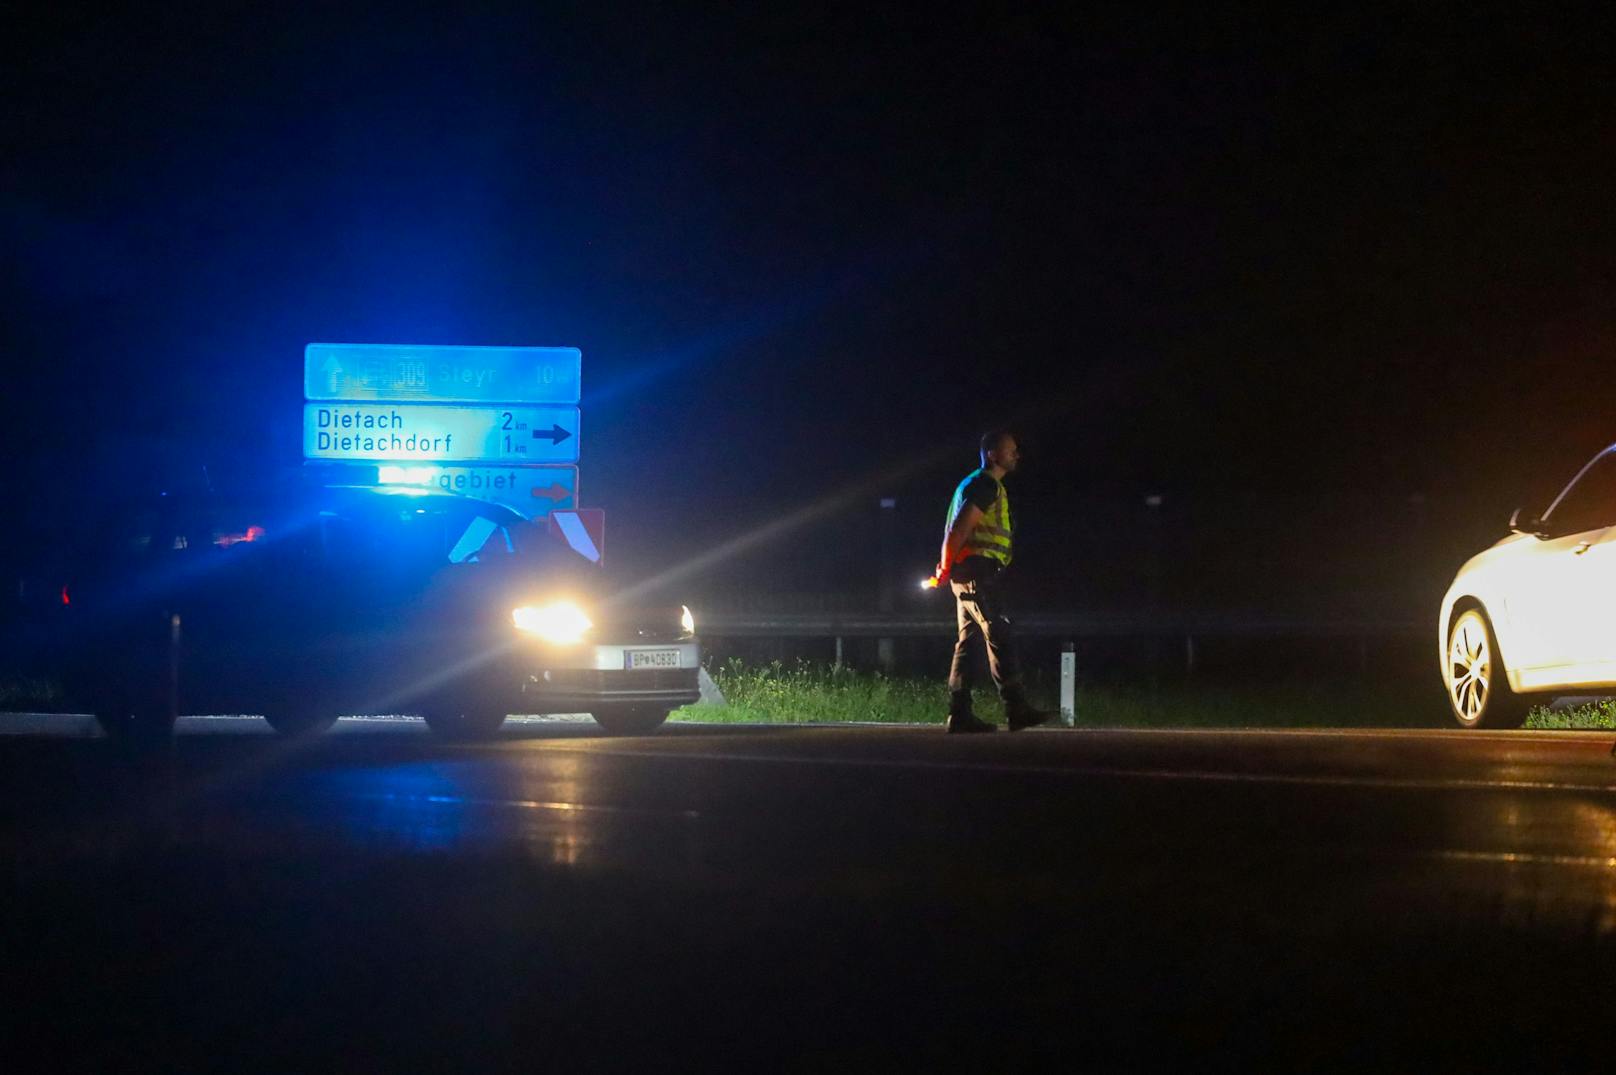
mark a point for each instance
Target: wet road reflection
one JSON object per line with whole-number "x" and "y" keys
{"x": 1198, "y": 888}
{"x": 437, "y": 807}
{"x": 867, "y": 808}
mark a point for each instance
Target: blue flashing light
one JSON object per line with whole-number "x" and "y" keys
{"x": 404, "y": 475}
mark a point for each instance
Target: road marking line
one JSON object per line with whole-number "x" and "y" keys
{"x": 1579, "y": 736}
{"x": 1453, "y": 735}
{"x": 522, "y": 804}
{"x": 1201, "y": 775}
{"x": 1524, "y": 857}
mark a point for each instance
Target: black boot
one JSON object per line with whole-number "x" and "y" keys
{"x": 1019, "y": 713}
{"x": 960, "y": 718}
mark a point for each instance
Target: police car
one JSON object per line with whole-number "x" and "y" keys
{"x": 1535, "y": 615}
{"x": 359, "y": 600}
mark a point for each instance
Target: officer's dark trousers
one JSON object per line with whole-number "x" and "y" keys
{"x": 980, "y": 613}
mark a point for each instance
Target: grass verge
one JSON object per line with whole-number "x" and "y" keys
{"x": 805, "y": 692}
{"x": 22, "y": 694}
{"x": 1596, "y": 714}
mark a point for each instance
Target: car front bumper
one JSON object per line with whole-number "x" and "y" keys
{"x": 565, "y": 679}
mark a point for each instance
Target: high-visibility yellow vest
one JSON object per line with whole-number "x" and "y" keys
{"x": 991, "y": 537}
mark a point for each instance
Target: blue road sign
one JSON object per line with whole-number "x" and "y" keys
{"x": 527, "y": 490}
{"x": 428, "y": 374}
{"x": 419, "y": 433}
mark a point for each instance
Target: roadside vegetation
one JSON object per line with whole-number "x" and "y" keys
{"x": 804, "y": 692}
{"x": 808, "y": 692}
{"x": 24, "y": 694}
{"x": 1600, "y": 713}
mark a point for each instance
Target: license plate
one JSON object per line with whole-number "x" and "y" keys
{"x": 651, "y": 658}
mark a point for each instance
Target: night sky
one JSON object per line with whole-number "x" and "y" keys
{"x": 1280, "y": 266}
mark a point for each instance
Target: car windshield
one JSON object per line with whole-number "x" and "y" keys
{"x": 434, "y": 532}
{"x": 1589, "y": 503}
{"x": 363, "y": 544}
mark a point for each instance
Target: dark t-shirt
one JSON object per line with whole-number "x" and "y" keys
{"x": 982, "y": 491}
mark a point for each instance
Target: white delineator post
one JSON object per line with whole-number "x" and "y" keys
{"x": 1068, "y": 685}
{"x": 884, "y": 654}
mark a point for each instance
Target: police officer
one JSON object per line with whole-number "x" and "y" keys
{"x": 976, "y": 551}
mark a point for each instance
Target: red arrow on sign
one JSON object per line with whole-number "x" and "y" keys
{"x": 554, "y": 492}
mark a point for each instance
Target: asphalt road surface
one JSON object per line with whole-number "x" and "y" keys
{"x": 804, "y": 899}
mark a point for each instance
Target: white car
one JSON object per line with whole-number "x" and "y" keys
{"x": 1535, "y": 615}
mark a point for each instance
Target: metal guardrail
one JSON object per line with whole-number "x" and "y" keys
{"x": 1052, "y": 625}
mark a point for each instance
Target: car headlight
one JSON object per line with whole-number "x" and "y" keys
{"x": 686, "y": 620}
{"x": 562, "y": 622}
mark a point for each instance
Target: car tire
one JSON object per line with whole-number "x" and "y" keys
{"x": 464, "y": 722}
{"x": 631, "y": 719}
{"x": 1479, "y": 695}
{"x": 127, "y": 716}
{"x": 296, "y": 723}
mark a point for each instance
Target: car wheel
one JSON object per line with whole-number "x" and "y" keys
{"x": 294, "y": 723}
{"x": 1478, "y": 688}
{"x": 631, "y": 719}
{"x": 128, "y": 717}
{"x": 462, "y": 721}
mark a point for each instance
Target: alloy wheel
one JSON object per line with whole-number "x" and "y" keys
{"x": 1470, "y": 668}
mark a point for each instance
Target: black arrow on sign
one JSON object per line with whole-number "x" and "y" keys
{"x": 555, "y": 434}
